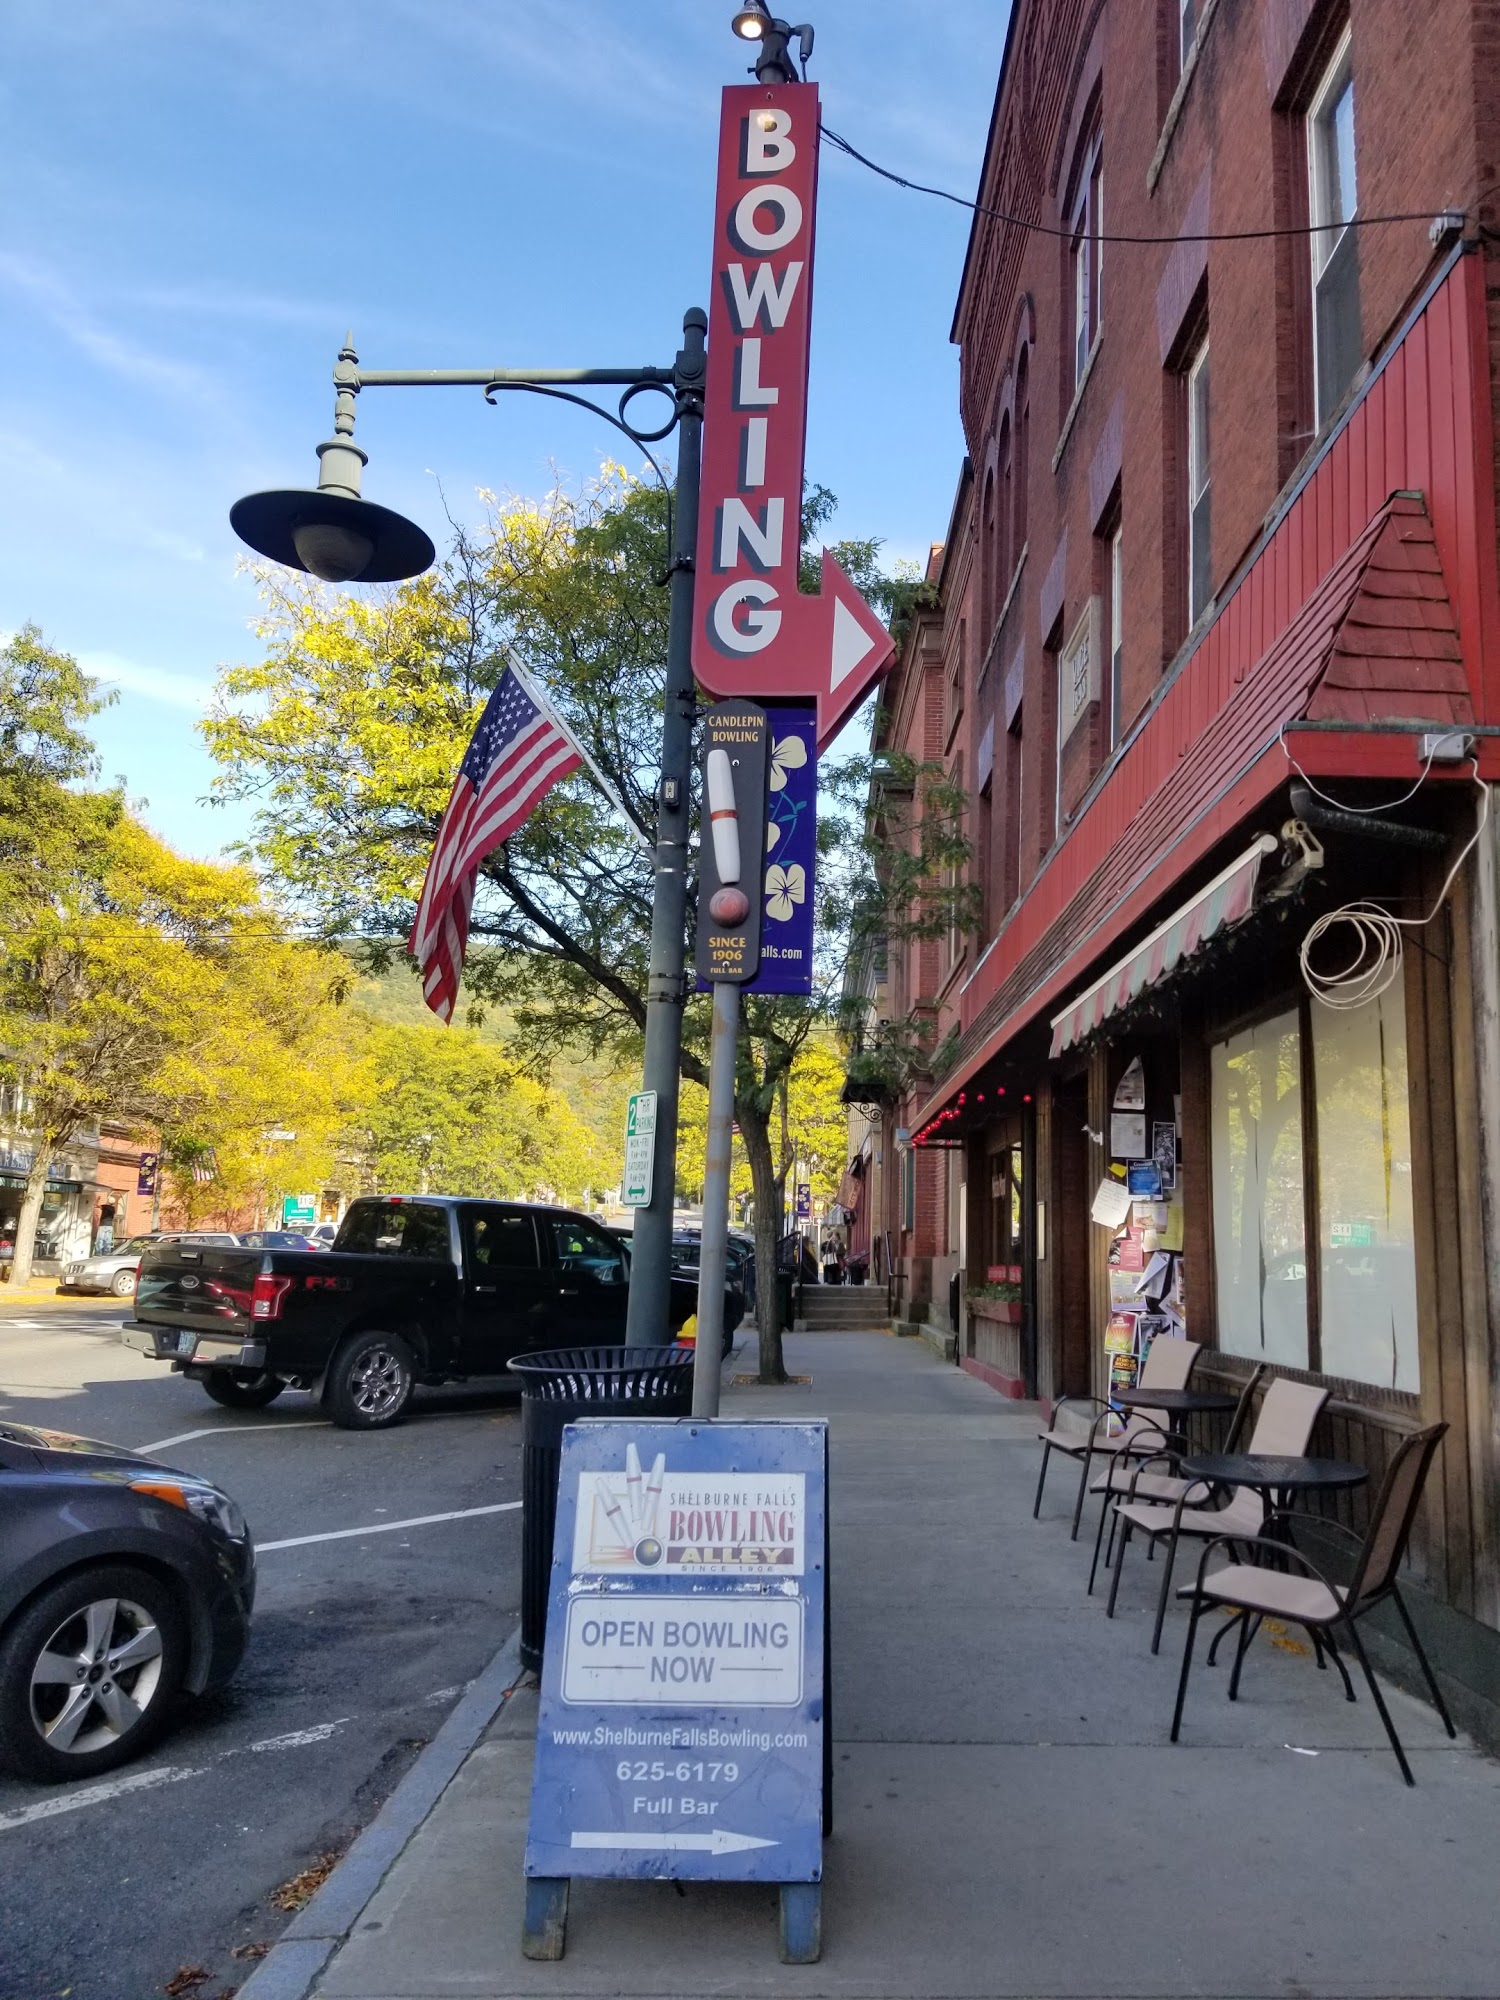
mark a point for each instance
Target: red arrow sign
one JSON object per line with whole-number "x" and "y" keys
{"x": 754, "y": 634}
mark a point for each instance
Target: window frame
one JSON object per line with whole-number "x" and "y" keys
{"x": 1296, "y": 1003}
{"x": 1327, "y": 236}
{"x": 1115, "y": 599}
{"x": 1086, "y": 261}
{"x": 1198, "y": 454}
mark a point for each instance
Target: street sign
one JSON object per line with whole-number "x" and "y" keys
{"x": 640, "y": 1149}
{"x": 786, "y": 946}
{"x": 804, "y": 1200}
{"x": 736, "y": 743}
{"x": 298, "y": 1208}
{"x": 754, "y": 632}
{"x": 681, "y": 1732}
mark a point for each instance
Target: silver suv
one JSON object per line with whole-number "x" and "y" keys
{"x": 114, "y": 1270}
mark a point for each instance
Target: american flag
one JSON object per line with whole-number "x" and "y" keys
{"x": 519, "y": 752}
{"x": 205, "y": 1166}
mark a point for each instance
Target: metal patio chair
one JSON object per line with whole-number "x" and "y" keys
{"x": 1168, "y": 1365}
{"x": 1134, "y": 1479}
{"x": 1303, "y": 1596}
{"x": 1283, "y": 1429}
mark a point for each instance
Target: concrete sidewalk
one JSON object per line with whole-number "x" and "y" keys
{"x": 1010, "y": 1818}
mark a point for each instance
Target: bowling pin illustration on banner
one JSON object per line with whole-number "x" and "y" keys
{"x": 736, "y": 759}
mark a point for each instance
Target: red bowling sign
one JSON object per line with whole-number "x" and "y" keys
{"x": 754, "y": 634}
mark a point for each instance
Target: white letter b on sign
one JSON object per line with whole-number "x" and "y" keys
{"x": 768, "y": 144}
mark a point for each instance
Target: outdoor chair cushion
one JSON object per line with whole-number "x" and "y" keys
{"x": 1141, "y": 1436}
{"x": 1162, "y": 1486}
{"x": 1243, "y": 1516}
{"x": 1274, "y": 1592}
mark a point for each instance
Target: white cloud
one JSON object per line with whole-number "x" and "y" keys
{"x": 151, "y": 683}
{"x": 131, "y": 360}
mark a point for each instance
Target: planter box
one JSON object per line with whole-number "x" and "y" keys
{"x": 1005, "y": 1312}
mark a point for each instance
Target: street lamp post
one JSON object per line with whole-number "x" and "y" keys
{"x": 333, "y": 532}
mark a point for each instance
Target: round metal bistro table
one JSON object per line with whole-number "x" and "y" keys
{"x": 1278, "y": 1481}
{"x": 1175, "y": 1402}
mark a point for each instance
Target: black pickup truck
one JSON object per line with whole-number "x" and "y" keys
{"x": 417, "y": 1288}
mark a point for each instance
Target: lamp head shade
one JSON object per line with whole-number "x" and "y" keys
{"x": 750, "y": 22}
{"x": 332, "y": 536}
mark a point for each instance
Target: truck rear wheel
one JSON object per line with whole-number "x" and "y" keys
{"x": 242, "y": 1392}
{"x": 369, "y": 1381}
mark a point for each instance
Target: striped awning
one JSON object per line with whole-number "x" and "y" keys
{"x": 1226, "y": 900}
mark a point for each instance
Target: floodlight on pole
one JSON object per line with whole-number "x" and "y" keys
{"x": 755, "y": 23}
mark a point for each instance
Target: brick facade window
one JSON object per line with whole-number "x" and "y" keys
{"x": 1022, "y": 454}
{"x": 1010, "y": 881}
{"x": 1199, "y": 468}
{"x": 1114, "y": 639}
{"x": 1087, "y": 259}
{"x": 1332, "y": 203}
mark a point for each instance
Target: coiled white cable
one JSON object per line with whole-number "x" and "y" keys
{"x": 1377, "y": 934}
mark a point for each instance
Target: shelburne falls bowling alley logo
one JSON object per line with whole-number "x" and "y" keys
{"x": 688, "y": 1523}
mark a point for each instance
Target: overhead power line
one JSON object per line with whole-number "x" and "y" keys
{"x": 1355, "y": 221}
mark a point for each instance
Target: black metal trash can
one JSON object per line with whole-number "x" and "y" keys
{"x": 556, "y": 1388}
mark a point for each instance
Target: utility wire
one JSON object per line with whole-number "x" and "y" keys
{"x": 1068, "y": 235}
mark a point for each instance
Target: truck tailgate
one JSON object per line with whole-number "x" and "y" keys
{"x": 203, "y": 1287}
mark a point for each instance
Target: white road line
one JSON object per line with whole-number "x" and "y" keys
{"x": 235, "y": 1430}
{"x": 387, "y": 1527}
{"x": 295, "y": 1740}
{"x": 95, "y": 1795}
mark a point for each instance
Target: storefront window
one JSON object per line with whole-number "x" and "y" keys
{"x": 1260, "y": 1253}
{"x": 1366, "y": 1258}
{"x": 1359, "y": 1320}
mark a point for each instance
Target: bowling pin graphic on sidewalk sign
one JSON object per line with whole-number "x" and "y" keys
{"x": 736, "y": 755}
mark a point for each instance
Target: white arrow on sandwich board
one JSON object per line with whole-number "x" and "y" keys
{"x": 720, "y": 1841}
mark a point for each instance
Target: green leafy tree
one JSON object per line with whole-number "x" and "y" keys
{"x": 152, "y": 990}
{"x": 348, "y": 731}
{"x": 446, "y": 1113}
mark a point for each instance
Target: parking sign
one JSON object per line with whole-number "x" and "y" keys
{"x": 640, "y": 1149}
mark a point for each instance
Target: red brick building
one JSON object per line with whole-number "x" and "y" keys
{"x": 1222, "y": 565}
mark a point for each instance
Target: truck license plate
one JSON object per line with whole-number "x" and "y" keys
{"x": 186, "y": 1342}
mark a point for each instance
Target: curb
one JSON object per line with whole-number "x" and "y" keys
{"x": 299, "y": 1956}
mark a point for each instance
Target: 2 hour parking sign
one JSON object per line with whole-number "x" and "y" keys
{"x": 682, "y": 1710}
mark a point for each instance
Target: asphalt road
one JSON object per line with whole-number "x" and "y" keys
{"x": 361, "y": 1646}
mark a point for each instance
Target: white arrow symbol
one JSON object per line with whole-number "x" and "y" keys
{"x": 720, "y": 1841}
{"x": 851, "y": 642}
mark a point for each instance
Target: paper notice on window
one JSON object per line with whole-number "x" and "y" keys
{"x": 1111, "y": 1204}
{"x": 1171, "y": 1235}
{"x": 1127, "y": 1135}
{"x": 1156, "y": 1280}
{"x": 1130, "y": 1092}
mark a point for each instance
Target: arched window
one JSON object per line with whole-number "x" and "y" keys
{"x": 1005, "y": 560}
{"x": 1022, "y": 453}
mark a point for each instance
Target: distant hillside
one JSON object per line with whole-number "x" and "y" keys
{"x": 596, "y": 1094}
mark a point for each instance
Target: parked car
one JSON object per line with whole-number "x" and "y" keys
{"x": 114, "y": 1270}
{"x": 323, "y": 1233}
{"x": 278, "y": 1239}
{"x": 417, "y": 1288}
{"x": 124, "y": 1586}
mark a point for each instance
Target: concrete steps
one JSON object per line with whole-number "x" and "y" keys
{"x": 843, "y": 1309}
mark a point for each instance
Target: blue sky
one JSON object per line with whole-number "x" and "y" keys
{"x": 199, "y": 199}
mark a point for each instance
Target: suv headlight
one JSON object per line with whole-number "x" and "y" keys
{"x": 196, "y": 1497}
